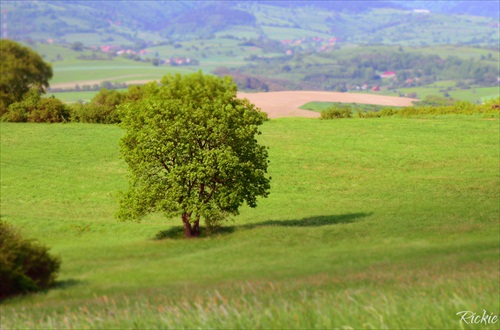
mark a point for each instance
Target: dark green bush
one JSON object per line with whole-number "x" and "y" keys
{"x": 101, "y": 109}
{"x": 16, "y": 113}
{"x": 337, "y": 111}
{"x": 385, "y": 112}
{"x": 92, "y": 113}
{"x": 25, "y": 265}
{"x": 490, "y": 108}
{"x": 436, "y": 100}
{"x": 49, "y": 110}
{"x": 34, "y": 108}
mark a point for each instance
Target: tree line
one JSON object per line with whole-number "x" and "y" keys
{"x": 331, "y": 71}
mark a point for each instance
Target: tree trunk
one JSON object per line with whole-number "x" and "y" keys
{"x": 191, "y": 230}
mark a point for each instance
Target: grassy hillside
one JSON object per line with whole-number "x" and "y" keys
{"x": 386, "y": 223}
{"x": 360, "y": 22}
{"x": 473, "y": 95}
{"x": 396, "y": 27}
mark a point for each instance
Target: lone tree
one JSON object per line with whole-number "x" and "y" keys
{"x": 21, "y": 70}
{"x": 192, "y": 151}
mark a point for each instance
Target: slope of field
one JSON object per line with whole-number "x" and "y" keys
{"x": 286, "y": 104}
{"x": 87, "y": 73}
{"x": 445, "y": 89}
{"x": 357, "y": 21}
{"x": 387, "y": 223}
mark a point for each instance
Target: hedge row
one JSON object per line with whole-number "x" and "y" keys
{"x": 489, "y": 108}
{"x": 101, "y": 109}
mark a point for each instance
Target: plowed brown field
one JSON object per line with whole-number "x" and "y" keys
{"x": 286, "y": 104}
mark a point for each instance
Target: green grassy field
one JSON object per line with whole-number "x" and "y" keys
{"x": 116, "y": 70}
{"x": 73, "y": 97}
{"x": 355, "y": 107}
{"x": 472, "y": 95}
{"x": 415, "y": 29}
{"x": 379, "y": 223}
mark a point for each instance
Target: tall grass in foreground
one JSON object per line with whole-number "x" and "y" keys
{"x": 383, "y": 223}
{"x": 431, "y": 300}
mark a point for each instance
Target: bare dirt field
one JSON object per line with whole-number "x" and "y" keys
{"x": 286, "y": 104}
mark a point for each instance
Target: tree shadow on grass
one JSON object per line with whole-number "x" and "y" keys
{"x": 66, "y": 284}
{"x": 171, "y": 233}
{"x": 178, "y": 232}
{"x": 318, "y": 221}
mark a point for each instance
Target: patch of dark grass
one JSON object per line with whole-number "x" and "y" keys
{"x": 65, "y": 284}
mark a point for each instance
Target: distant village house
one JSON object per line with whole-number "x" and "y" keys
{"x": 388, "y": 74}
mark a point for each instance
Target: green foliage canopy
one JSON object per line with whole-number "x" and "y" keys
{"x": 36, "y": 109}
{"x": 21, "y": 70}
{"x": 102, "y": 108}
{"x": 192, "y": 151}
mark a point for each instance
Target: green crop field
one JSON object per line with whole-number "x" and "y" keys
{"x": 210, "y": 53}
{"x": 460, "y": 51}
{"x": 476, "y": 94}
{"x": 472, "y": 95}
{"x": 355, "y": 107}
{"x": 280, "y": 33}
{"x": 371, "y": 223}
{"x": 73, "y": 97}
{"x": 115, "y": 70}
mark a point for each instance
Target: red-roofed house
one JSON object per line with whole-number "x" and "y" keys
{"x": 106, "y": 49}
{"x": 388, "y": 74}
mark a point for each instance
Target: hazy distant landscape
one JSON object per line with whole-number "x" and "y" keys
{"x": 269, "y": 46}
{"x": 382, "y": 123}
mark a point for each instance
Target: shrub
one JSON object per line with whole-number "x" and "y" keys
{"x": 385, "y": 112}
{"x": 16, "y": 113}
{"x": 25, "y": 265}
{"x": 435, "y": 100}
{"x": 102, "y": 108}
{"x": 49, "y": 110}
{"x": 490, "y": 108}
{"x": 337, "y": 111}
{"x": 92, "y": 113}
{"x": 34, "y": 108}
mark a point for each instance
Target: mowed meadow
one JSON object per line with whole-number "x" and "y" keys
{"x": 371, "y": 223}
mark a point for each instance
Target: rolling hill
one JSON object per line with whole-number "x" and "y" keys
{"x": 130, "y": 22}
